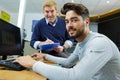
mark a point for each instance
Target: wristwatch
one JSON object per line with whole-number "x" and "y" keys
{"x": 64, "y": 48}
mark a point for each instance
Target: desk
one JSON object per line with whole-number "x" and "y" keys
{"x": 20, "y": 75}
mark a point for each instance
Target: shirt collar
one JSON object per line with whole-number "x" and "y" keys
{"x": 89, "y": 36}
{"x": 51, "y": 24}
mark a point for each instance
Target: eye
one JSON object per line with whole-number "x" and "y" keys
{"x": 52, "y": 11}
{"x": 74, "y": 20}
{"x": 47, "y": 11}
{"x": 66, "y": 21}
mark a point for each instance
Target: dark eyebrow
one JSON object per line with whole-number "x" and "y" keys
{"x": 71, "y": 18}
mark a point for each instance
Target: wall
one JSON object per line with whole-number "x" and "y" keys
{"x": 94, "y": 27}
{"x": 14, "y": 18}
{"x": 110, "y": 26}
{"x": 27, "y": 22}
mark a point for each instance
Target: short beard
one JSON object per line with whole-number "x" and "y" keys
{"x": 79, "y": 32}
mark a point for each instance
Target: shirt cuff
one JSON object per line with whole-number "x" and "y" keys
{"x": 70, "y": 43}
{"x": 36, "y": 44}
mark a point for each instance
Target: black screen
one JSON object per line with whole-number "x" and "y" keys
{"x": 10, "y": 39}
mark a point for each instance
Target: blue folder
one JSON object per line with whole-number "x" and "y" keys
{"x": 48, "y": 47}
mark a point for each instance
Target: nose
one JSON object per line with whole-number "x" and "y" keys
{"x": 50, "y": 13}
{"x": 69, "y": 24}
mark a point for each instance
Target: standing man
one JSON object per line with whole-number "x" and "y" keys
{"x": 95, "y": 57}
{"x": 51, "y": 29}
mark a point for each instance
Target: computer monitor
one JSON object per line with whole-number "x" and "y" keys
{"x": 10, "y": 40}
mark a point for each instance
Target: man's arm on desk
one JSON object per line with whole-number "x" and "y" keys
{"x": 40, "y": 67}
{"x": 49, "y": 71}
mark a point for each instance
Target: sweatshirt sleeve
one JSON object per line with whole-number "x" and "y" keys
{"x": 52, "y": 72}
{"x": 66, "y": 62}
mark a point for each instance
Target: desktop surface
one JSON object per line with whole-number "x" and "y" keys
{"x": 23, "y": 74}
{"x": 20, "y": 75}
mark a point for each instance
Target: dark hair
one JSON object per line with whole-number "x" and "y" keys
{"x": 78, "y": 8}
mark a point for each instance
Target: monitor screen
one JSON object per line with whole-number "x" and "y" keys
{"x": 10, "y": 39}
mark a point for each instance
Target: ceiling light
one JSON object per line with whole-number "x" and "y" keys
{"x": 108, "y": 2}
{"x": 72, "y": 0}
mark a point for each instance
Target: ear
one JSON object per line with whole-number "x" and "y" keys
{"x": 57, "y": 13}
{"x": 87, "y": 21}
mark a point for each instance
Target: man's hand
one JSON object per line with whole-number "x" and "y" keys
{"x": 38, "y": 56}
{"x": 48, "y": 41}
{"x": 59, "y": 49}
{"x": 26, "y": 61}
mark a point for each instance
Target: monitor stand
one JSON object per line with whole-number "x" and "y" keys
{"x": 4, "y": 57}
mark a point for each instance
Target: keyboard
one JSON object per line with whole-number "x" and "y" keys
{"x": 9, "y": 65}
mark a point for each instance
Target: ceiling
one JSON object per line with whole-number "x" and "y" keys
{"x": 35, "y": 6}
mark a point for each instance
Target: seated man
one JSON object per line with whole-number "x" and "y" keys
{"x": 95, "y": 57}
